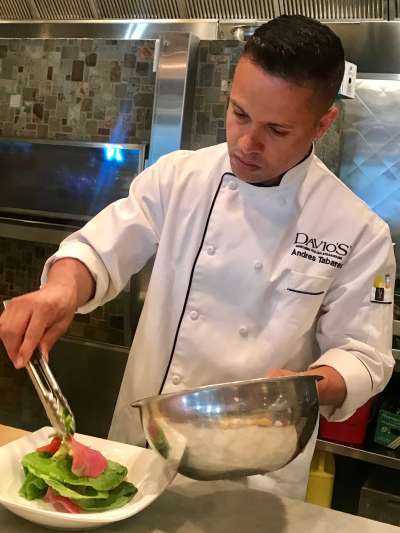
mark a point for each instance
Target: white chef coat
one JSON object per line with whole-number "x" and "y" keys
{"x": 245, "y": 279}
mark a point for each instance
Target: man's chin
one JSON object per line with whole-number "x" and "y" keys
{"x": 250, "y": 177}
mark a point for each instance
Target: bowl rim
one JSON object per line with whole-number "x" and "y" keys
{"x": 184, "y": 392}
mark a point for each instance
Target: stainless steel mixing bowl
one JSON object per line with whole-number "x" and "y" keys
{"x": 234, "y": 429}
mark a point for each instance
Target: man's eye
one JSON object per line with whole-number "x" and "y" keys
{"x": 239, "y": 114}
{"x": 278, "y": 132}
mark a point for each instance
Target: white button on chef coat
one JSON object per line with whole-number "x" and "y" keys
{"x": 309, "y": 261}
{"x": 258, "y": 265}
{"x": 176, "y": 379}
{"x": 210, "y": 250}
{"x": 244, "y": 332}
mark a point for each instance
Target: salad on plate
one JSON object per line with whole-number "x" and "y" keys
{"x": 75, "y": 478}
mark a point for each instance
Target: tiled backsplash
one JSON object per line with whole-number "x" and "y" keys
{"x": 217, "y": 61}
{"x": 21, "y": 264}
{"x": 77, "y": 89}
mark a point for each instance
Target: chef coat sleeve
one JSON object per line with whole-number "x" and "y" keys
{"x": 353, "y": 332}
{"x": 117, "y": 242}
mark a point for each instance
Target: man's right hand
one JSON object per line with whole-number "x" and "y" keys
{"x": 39, "y": 318}
{"x": 36, "y": 319}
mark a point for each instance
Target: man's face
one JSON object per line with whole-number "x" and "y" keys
{"x": 271, "y": 123}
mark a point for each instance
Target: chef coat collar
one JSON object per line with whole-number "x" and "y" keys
{"x": 292, "y": 177}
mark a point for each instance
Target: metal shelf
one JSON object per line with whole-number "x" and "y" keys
{"x": 369, "y": 453}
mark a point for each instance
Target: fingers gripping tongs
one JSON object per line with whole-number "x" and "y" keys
{"x": 49, "y": 392}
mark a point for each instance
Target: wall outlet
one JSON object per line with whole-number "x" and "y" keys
{"x": 348, "y": 87}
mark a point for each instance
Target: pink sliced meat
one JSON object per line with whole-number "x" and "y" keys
{"x": 85, "y": 461}
{"x": 60, "y": 503}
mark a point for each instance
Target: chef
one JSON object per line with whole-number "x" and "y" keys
{"x": 265, "y": 262}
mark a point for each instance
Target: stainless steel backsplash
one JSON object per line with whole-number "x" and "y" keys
{"x": 370, "y": 154}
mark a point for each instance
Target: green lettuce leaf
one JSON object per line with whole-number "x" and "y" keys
{"x": 60, "y": 470}
{"x": 33, "y": 487}
{"x": 71, "y": 491}
{"x": 118, "y": 497}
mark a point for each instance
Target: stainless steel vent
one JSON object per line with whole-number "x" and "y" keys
{"x": 231, "y": 9}
{"x": 395, "y": 9}
{"x": 62, "y": 9}
{"x": 194, "y": 9}
{"x": 336, "y": 9}
{"x": 12, "y": 10}
{"x": 142, "y": 9}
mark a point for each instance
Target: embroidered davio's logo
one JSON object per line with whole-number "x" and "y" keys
{"x": 319, "y": 250}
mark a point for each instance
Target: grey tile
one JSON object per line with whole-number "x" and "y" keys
{"x": 115, "y": 73}
{"x": 91, "y": 60}
{"x": 77, "y": 70}
{"x": 3, "y": 51}
{"x": 50, "y": 102}
{"x": 130, "y": 60}
{"x": 206, "y": 73}
{"x": 143, "y": 100}
{"x": 70, "y": 52}
{"x": 125, "y": 106}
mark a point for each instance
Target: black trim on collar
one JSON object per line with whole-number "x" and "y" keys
{"x": 191, "y": 280}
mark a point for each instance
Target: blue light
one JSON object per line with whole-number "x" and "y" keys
{"x": 118, "y": 155}
{"x": 113, "y": 153}
{"x": 109, "y": 152}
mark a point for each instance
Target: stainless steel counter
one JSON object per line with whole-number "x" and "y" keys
{"x": 224, "y": 507}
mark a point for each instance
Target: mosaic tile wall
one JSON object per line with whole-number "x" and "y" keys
{"x": 21, "y": 264}
{"x": 217, "y": 62}
{"x": 77, "y": 89}
{"x": 74, "y": 89}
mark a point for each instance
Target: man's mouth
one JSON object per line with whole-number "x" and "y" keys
{"x": 248, "y": 164}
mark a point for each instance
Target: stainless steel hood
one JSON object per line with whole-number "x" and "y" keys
{"x": 45, "y": 10}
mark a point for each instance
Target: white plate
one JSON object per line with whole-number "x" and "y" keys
{"x": 146, "y": 470}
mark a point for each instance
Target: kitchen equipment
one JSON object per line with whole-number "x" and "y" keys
{"x": 54, "y": 402}
{"x": 56, "y": 406}
{"x": 48, "y": 189}
{"x": 321, "y": 479}
{"x": 352, "y": 431}
{"x": 244, "y": 32}
{"x": 234, "y": 429}
{"x": 380, "y": 497}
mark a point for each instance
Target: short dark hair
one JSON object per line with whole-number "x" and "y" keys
{"x": 300, "y": 50}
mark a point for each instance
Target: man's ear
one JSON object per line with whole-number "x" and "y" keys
{"x": 325, "y": 121}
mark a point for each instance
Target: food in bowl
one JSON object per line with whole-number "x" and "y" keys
{"x": 75, "y": 478}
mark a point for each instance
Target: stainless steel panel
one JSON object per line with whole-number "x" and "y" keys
{"x": 36, "y": 231}
{"x": 373, "y": 46}
{"x": 387, "y": 458}
{"x": 370, "y": 163}
{"x": 96, "y": 29}
{"x": 173, "y": 93}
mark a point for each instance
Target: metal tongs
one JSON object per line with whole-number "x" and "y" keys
{"x": 49, "y": 392}
{"x": 54, "y": 402}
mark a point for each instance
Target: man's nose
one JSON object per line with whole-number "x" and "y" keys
{"x": 251, "y": 142}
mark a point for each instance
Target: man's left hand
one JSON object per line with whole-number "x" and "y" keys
{"x": 331, "y": 389}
